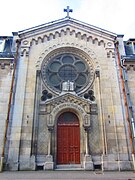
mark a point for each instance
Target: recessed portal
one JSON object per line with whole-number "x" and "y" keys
{"x": 68, "y": 139}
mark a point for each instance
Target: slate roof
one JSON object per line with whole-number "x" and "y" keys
{"x": 7, "y": 49}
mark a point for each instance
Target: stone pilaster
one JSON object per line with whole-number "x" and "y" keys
{"x": 103, "y": 137}
{"x": 49, "y": 164}
{"x": 13, "y": 156}
{"x": 88, "y": 164}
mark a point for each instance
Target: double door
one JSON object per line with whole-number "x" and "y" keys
{"x": 68, "y": 140}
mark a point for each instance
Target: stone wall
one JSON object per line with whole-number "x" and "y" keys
{"x": 5, "y": 86}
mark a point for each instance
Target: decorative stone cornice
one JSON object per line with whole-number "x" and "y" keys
{"x": 128, "y": 62}
{"x": 2, "y": 65}
{"x": 7, "y": 62}
{"x": 129, "y": 67}
{"x": 68, "y": 32}
{"x": 128, "y": 59}
{"x": 67, "y": 23}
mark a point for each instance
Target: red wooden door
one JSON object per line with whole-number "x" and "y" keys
{"x": 68, "y": 139}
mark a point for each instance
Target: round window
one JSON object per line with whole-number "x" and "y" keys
{"x": 66, "y": 68}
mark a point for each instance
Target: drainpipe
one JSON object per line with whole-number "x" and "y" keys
{"x": 9, "y": 106}
{"x": 129, "y": 115}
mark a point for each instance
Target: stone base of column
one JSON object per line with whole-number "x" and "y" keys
{"x": 111, "y": 163}
{"x": 27, "y": 163}
{"x": 11, "y": 166}
{"x": 1, "y": 164}
{"x": 49, "y": 164}
{"x": 88, "y": 164}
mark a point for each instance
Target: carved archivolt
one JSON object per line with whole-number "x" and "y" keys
{"x": 68, "y": 102}
{"x": 70, "y": 47}
{"x": 51, "y": 118}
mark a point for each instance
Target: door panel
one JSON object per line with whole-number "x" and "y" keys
{"x": 68, "y": 143}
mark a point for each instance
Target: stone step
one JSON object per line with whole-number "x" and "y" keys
{"x": 69, "y": 167}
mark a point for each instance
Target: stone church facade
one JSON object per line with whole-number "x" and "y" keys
{"x": 63, "y": 103}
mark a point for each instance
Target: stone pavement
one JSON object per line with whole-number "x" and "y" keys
{"x": 66, "y": 175}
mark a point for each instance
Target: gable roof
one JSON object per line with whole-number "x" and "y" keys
{"x": 67, "y": 21}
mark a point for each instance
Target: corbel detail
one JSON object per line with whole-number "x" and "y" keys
{"x": 25, "y": 51}
{"x": 25, "y": 47}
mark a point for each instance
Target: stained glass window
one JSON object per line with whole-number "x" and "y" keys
{"x": 63, "y": 68}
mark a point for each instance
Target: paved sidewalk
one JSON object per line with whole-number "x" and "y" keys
{"x": 66, "y": 175}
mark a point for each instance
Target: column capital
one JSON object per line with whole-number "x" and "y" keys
{"x": 50, "y": 128}
{"x": 25, "y": 51}
{"x": 97, "y": 73}
{"x": 86, "y": 128}
{"x": 38, "y": 72}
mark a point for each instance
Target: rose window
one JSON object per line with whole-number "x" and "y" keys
{"x": 66, "y": 68}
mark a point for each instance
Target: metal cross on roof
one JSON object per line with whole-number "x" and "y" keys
{"x": 68, "y": 10}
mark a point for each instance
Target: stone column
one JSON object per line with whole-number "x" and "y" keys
{"x": 104, "y": 144}
{"x": 50, "y": 139}
{"x": 88, "y": 164}
{"x": 14, "y": 147}
{"x": 36, "y": 109}
{"x": 86, "y": 141}
{"x": 49, "y": 164}
{"x": 115, "y": 129}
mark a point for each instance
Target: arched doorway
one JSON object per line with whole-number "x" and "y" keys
{"x": 68, "y": 139}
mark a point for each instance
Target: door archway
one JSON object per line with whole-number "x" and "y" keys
{"x": 68, "y": 139}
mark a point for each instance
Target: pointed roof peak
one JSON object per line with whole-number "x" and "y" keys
{"x": 65, "y": 21}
